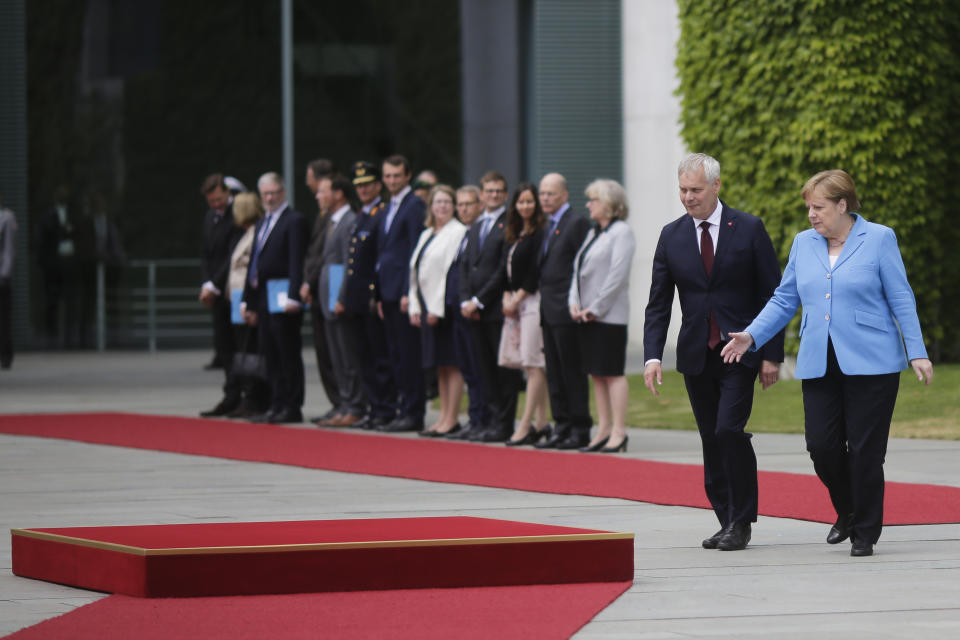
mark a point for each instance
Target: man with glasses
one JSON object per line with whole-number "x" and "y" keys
{"x": 481, "y": 290}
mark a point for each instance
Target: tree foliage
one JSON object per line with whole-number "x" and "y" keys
{"x": 780, "y": 90}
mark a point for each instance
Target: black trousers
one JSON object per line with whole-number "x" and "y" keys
{"x": 376, "y": 372}
{"x": 6, "y": 343}
{"x": 403, "y": 343}
{"x": 566, "y": 380}
{"x": 478, "y": 409}
{"x": 324, "y": 364}
{"x": 847, "y": 424}
{"x": 721, "y": 397}
{"x": 225, "y": 345}
{"x": 281, "y": 346}
{"x": 503, "y": 384}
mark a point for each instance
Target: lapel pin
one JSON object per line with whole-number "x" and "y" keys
{"x": 729, "y": 224}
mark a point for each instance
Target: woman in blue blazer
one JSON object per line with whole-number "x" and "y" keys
{"x": 848, "y": 275}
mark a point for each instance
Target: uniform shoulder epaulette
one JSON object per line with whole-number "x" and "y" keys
{"x": 377, "y": 208}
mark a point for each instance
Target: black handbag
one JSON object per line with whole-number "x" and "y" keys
{"x": 248, "y": 366}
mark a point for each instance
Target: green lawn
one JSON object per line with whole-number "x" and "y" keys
{"x": 922, "y": 412}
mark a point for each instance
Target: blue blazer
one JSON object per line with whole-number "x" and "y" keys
{"x": 395, "y": 247}
{"x": 858, "y": 303}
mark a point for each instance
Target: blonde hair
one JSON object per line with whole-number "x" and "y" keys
{"x": 833, "y": 184}
{"x": 612, "y": 194}
{"x": 440, "y": 188}
{"x": 246, "y": 209}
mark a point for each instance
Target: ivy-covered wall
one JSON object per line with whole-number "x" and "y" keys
{"x": 782, "y": 89}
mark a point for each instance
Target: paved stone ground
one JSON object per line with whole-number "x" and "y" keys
{"x": 787, "y": 584}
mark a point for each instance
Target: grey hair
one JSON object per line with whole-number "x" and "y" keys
{"x": 694, "y": 161}
{"x": 270, "y": 176}
{"x": 612, "y": 194}
{"x": 470, "y": 188}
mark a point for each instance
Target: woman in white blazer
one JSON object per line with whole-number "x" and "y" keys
{"x": 858, "y": 313}
{"x": 431, "y": 259}
{"x": 600, "y": 301}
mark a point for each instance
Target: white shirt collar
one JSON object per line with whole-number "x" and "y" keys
{"x": 397, "y": 199}
{"x": 339, "y": 213}
{"x": 496, "y": 213}
{"x": 714, "y": 218}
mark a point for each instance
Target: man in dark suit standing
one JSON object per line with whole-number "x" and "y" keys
{"x": 481, "y": 289}
{"x": 343, "y": 332}
{"x": 279, "y": 245}
{"x": 220, "y": 236}
{"x": 397, "y": 236}
{"x": 317, "y": 170}
{"x": 566, "y": 380}
{"x": 722, "y": 263}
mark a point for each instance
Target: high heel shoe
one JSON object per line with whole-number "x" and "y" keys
{"x": 617, "y": 449}
{"x": 593, "y": 448}
{"x": 533, "y": 437}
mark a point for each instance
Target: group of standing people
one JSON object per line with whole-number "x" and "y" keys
{"x": 487, "y": 289}
{"x": 490, "y": 292}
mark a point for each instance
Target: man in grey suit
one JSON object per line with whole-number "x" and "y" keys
{"x": 334, "y": 195}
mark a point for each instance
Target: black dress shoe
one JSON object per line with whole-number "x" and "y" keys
{"x": 713, "y": 541}
{"x": 374, "y": 422}
{"x": 495, "y": 435}
{"x": 618, "y": 447}
{"x": 265, "y": 417}
{"x": 552, "y": 440}
{"x": 735, "y": 537}
{"x": 404, "y": 423}
{"x": 574, "y": 441}
{"x": 286, "y": 416}
{"x": 223, "y": 407}
{"x": 471, "y": 428}
{"x": 593, "y": 448}
{"x": 839, "y": 532}
{"x": 533, "y": 437}
{"x": 861, "y": 549}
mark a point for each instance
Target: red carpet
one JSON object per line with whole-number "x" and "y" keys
{"x": 257, "y": 558}
{"x": 522, "y": 613}
{"x": 786, "y": 495}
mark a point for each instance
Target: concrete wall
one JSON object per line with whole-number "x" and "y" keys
{"x": 652, "y": 144}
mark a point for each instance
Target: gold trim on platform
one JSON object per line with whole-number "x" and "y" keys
{"x": 319, "y": 546}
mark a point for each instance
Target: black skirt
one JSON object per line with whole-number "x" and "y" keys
{"x": 603, "y": 348}
{"x": 436, "y": 342}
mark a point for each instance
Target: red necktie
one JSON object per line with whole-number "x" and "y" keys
{"x": 706, "y": 254}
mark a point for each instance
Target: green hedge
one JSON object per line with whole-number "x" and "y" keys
{"x": 781, "y": 89}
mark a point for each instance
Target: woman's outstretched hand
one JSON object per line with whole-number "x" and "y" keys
{"x": 738, "y": 345}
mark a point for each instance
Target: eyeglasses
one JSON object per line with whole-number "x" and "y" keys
{"x": 492, "y": 191}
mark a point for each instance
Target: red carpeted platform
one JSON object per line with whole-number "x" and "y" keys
{"x": 786, "y": 495}
{"x": 247, "y": 558}
{"x": 542, "y": 612}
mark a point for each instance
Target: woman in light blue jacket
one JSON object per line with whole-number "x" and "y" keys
{"x": 848, "y": 275}
{"x": 600, "y": 301}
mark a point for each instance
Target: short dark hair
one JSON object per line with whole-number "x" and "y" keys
{"x": 341, "y": 183}
{"x": 397, "y": 160}
{"x": 321, "y": 167}
{"x": 493, "y": 176}
{"x": 211, "y": 182}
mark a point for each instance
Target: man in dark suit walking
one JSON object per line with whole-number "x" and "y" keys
{"x": 481, "y": 290}
{"x": 566, "y": 380}
{"x": 279, "y": 244}
{"x": 722, "y": 263}
{"x": 397, "y": 236}
{"x": 220, "y": 236}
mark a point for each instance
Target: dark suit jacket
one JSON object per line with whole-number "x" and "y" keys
{"x": 524, "y": 263}
{"x": 395, "y": 247}
{"x": 219, "y": 240}
{"x": 556, "y": 267}
{"x": 360, "y": 280}
{"x": 481, "y": 268}
{"x": 745, "y": 274}
{"x": 313, "y": 261}
{"x": 280, "y": 257}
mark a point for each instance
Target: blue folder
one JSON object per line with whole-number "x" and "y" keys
{"x": 235, "y": 296}
{"x": 336, "y": 281}
{"x": 277, "y": 295}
